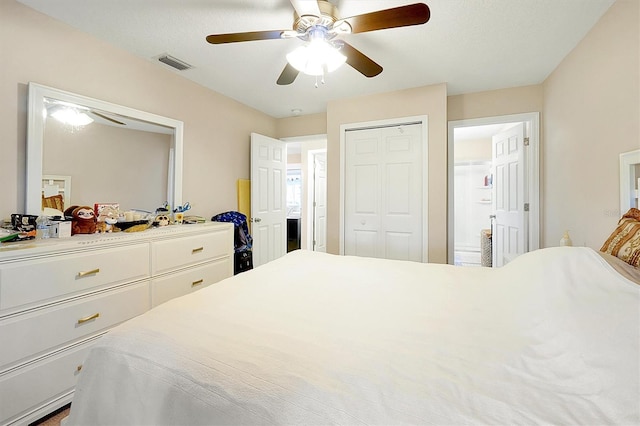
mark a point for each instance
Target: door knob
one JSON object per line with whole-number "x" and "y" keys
{"x": 256, "y": 219}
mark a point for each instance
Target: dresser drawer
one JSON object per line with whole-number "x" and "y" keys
{"x": 180, "y": 252}
{"x": 40, "y": 280}
{"x": 26, "y": 389}
{"x": 187, "y": 281}
{"x": 31, "y": 334}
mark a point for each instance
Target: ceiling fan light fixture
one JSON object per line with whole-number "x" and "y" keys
{"x": 316, "y": 57}
{"x": 71, "y": 116}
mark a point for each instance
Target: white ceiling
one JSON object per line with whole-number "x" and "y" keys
{"x": 472, "y": 45}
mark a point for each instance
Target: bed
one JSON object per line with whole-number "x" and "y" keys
{"x": 312, "y": 338}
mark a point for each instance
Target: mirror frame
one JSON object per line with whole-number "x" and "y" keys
{"x": 35, "y": 141}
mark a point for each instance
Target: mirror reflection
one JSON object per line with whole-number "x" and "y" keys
{"x": 107, "y": 160}
{"x": 83, "y": 151}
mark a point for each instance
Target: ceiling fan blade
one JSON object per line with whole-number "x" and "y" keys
{"x": 359, "y": 61}
{"x": 288, "y": 75}
{"x": 113, "y": 120}
{"x": 306, "y": 7}
{"x": 249, "y": 36}
{"x": 403, "y": 16}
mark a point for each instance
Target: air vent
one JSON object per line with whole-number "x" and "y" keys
{"x": 174, "y": 62}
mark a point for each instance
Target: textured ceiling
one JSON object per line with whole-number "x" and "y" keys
{"x": 472, "y": 45}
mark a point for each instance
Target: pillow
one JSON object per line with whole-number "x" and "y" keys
{"x": 624, "y": 242}
{"x": 623, "y": 268}
{"x": 53, "y": 202}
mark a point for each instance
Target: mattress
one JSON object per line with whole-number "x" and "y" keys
{"x": 312, "y": 338}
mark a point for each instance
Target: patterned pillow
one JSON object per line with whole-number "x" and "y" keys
{"x": 54, "y": 202}
{"x": 624, "y": 242}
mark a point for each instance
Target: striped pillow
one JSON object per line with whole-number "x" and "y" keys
{"x": 624, "y": 242}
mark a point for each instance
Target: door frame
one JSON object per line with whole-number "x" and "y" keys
{"x": 311, "y": 204}
{"x": 308, "y": 143}
{"x": 532, "y": 173}
{"x": 423, "y": 121}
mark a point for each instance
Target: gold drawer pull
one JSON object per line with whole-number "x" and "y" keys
{"x": 195, "y": 283}
{"x": 197, "y": 250}
{"x": 78, "y": 368}
{"x": 91, "y": 272}
{"x": 89, "y": 318}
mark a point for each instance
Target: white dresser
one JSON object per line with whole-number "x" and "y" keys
{"x": 58, "y": 296}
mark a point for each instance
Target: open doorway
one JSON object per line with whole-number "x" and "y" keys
{"x": 493, "y": 189}
{"x": 306, "y": 187}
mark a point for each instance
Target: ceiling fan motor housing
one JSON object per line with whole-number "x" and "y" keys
{"x": 328, "y": 16}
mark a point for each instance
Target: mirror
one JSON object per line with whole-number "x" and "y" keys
{"x": 104, "y": 152}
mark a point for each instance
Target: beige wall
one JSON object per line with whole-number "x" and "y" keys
{"x": 37, "y": 48}
{"x": 515, "y": 100}
{"x": 591, "y": 115}
{"x": 430, "y": 101}
{"x": 303, "y": 125}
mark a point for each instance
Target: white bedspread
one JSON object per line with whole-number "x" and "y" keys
{"x": 551, "y": 338}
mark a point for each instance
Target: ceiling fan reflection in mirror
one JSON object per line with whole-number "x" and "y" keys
{"x": 75, "y": 116}
{"x": 318, "y": 25}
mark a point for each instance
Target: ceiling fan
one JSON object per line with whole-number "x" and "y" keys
{"x": 317, "y": 23}
{"x": 70, "y": 113}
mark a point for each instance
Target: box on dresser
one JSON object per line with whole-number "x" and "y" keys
{"x": 58, "y": 296}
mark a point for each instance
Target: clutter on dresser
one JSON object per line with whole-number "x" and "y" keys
{"x": 60, "y": 229}
{"x": 161, "y": 219}
{"x": 83, "y": 219}
{"x": 107, "y": 218}
{"x": 134, "y": 220}
{"x": 99, "y": 207}
{"x": 23, "y": 227}
{"x": 192, "y": 219}
{"x": 178, "y": 213}
{"x": 42, "y": 227}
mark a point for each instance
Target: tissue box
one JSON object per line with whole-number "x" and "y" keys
{"x": 97, "y": 207}
{"x": 60, "y": 229}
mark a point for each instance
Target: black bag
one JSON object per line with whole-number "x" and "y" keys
{"x": 243, "y": 261}
{"x": 243, "y": 258}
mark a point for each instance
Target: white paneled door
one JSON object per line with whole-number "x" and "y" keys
{"x": 320, "y": 202}
{"x": 383, "y": 192}
{"x": 509, "y": 237}
{"x": 268, "y": 204}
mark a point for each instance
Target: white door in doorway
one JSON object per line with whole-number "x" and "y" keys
{"x": 509, "y": 237}
{"x": 383, "y": 192}
{"x": 268, "y": 203}
{"x": 320, "y": 202}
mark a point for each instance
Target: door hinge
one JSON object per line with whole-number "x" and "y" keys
{"x": 526, "y": 207}
{"x": 526, "y": 141}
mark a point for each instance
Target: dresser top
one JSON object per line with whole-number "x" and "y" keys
{"x": 82, "y": 242}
